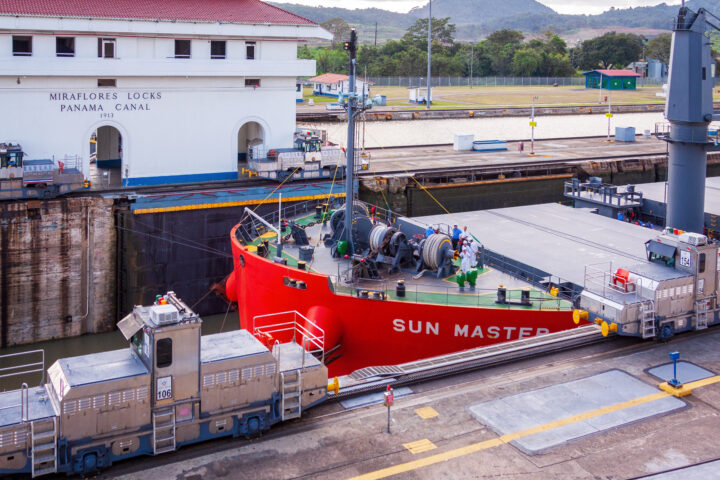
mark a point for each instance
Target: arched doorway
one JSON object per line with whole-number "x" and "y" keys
{"x": 107, "y": 144}
{"x": 250, "y": 142}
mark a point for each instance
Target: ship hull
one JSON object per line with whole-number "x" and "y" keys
{"x": 365, "y": 332}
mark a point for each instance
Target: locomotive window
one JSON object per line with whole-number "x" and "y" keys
{"x": 701, "y": 263}
{"x": 164, "y": 352}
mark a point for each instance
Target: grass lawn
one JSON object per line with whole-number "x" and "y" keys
{"x": 479, "y": 97}
{"x": 513, "y": 96}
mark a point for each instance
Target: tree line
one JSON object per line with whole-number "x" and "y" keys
{"x": 504, "y": 52}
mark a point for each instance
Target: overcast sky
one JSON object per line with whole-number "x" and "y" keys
{"x": 560, "y": 6}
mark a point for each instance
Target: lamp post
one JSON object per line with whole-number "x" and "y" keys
{"x": 429, "y": 52}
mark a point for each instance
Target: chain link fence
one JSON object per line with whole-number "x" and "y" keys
{"x": 493, "y": 81}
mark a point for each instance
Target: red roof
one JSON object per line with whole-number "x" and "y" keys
{"x": 231, "y": 11}
{"x": 612, "y": 73}
{"x": 329, "y": 78}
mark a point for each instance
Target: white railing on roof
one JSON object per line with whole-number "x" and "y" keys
{"x": 600, "y": 278}
{"x": 304, "y": 331}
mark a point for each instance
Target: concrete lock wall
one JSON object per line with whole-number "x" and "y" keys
{"x": 57, "y": 269}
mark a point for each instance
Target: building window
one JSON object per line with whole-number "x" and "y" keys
{"x": 182, "y": 48}
{"x": 250, "y": 50}
{"x": 163, "y": 351}
{"x": 217, "y": 49}
{"x": 65, "y": 46}
{"x": 22, "y": 46}
{"x": 107, "y": 82}
{"x": 106, "y": 47}
{"x": 252, "y": 82}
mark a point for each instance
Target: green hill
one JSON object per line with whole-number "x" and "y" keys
{"x": 477, "y": 18}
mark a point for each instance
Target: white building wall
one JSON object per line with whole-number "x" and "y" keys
{"x": 184, "y": 128}
{"x": 179, "y": 118}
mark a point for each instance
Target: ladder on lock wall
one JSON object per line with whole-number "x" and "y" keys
{"x": 43, "y": 453}
{"x": 701, "y": 312}
{"x": 164, "y": 431}
{"x": 647, "y": 319}
{"x": 291, "y": 390}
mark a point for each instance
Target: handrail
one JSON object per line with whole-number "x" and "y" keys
{"x": 446, "y": 291}
{"x": 307, "y": 338}
{"x": 25, "y": 368}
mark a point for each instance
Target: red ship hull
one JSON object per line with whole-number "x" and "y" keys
{"x": 378, "y": 332}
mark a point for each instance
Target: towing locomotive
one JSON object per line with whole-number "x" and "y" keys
{"x": 171, "y": 387}
{"x": 310, "y": 157}
{"x": 41, "y": 178}
{"x": 675, "y": 291}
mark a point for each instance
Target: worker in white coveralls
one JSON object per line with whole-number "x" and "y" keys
{"x": 473, "y": 247}
{"x": 466, "y": 259}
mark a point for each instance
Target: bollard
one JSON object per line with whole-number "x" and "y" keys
{"x": 389, "y": 400}
{"x": 675, "y": 383}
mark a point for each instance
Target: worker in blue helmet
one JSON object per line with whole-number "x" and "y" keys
{"x": 430, "y": 230}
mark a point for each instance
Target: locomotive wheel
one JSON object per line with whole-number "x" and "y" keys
{"x": 666, "y": 332}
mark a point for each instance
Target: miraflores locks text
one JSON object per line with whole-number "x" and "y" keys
{"x": 105, "y": 101}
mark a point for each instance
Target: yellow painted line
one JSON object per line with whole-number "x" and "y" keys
{"x": 268, "y": 235}
{"x": 420, "y": 446}
{"x": 239, "y": 203}
{"x": 426, "y": 412}
{"x": 504, "y": 439}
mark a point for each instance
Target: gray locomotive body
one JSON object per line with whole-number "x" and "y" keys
{"x": 675, "y": 291}
{"x": 170, "y": 388}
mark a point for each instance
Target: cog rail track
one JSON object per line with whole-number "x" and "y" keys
{"x": 372, "y": 379}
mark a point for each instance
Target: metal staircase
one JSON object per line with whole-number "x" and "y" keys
{"x": 43, "y": 452}
{"x": 647, "y": 319}
{"x": 702, "y": 305}
{"x": 164, "y": 431}
{"x": 291, "y": 389}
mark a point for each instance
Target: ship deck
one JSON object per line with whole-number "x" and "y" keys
{"x": 427, "y": 289}
{"x": 555, "y": 239}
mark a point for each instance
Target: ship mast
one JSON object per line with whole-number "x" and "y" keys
{"x": 353, "y": 109}
{"x": 689, "y": 109}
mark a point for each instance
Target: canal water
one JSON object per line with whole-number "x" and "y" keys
{"x": 83, "y": 345}
{"x": 423, "y": 132}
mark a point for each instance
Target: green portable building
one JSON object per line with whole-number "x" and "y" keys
{"x": 611, "y": 79}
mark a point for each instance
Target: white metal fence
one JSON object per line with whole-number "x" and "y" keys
{"x": 492, "y": 81}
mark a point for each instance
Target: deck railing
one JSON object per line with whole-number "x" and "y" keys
{"x": 450, "y": 295}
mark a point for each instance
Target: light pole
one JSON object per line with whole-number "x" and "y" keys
{"x": 609, "y": 112}
{"x": 429, "y": 80}
{"x": 472, "y": 55}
